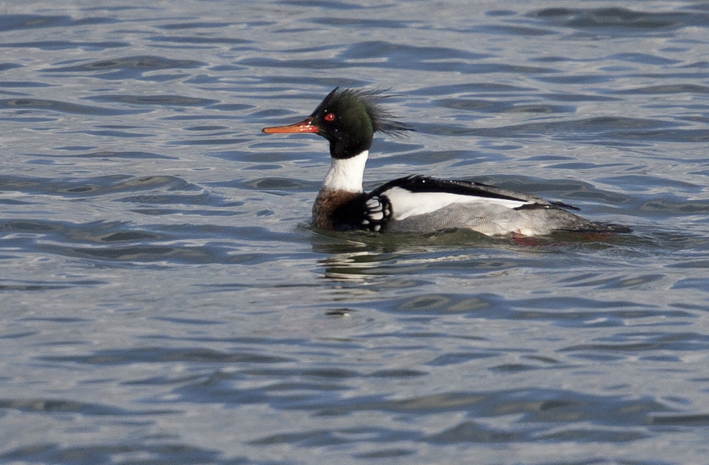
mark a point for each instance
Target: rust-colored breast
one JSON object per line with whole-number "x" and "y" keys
{"x": 332, "y": 209}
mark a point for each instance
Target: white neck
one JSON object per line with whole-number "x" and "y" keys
{"x": 346, "y": 174}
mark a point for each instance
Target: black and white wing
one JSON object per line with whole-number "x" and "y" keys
{"x": 418, "y": 203}
{"x": 417, "y": 195}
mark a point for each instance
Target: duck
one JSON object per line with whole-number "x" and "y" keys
{"x": 416, "y": 204}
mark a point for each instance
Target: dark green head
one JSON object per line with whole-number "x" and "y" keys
{"x": 348, "y": 119}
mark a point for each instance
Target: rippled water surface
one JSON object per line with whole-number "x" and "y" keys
{"x": 164, "y": 299}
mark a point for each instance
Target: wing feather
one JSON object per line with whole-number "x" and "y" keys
{"x": 418, "y": 195}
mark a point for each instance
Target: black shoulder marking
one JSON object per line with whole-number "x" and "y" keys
{"x": 377, "y": 212}
{"x": 419, "y": 183}
{"x": 363, "y": 212}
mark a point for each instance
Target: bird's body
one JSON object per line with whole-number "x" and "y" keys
{"x": 414, "y": 204}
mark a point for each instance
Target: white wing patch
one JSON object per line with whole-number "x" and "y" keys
{"x": 406, "y": 203}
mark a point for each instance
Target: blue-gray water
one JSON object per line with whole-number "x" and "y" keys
{"x": 165, "y": 301}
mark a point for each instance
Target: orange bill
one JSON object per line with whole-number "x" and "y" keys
{"x": 304, "y": 126}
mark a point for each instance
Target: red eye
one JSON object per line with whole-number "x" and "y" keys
{"x": 330, "y": 117}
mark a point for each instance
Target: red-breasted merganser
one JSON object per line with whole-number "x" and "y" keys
{"x": 348, "y": 119}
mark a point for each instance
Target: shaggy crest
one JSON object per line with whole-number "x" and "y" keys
{"x": 382, "y": 120}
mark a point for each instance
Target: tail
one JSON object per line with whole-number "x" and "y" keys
{"x": 555, "y": 218}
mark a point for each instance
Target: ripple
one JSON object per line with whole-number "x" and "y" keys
{"x": 59, "y": 405}
{"x": 488, "y": 106}
{"x": 163, "y": 355}
{"x": 92, "y": 186}
{"x": 194, "y": 40}
{"x": 10, "y": 22}
{"x": 668, "y": 89}
{"x": 106, "y": 155}
{"x": 22, "y": 104}
{"x": 47, "y": 452}
{"x": 132, "y": 67}
{"x": 65, "y": 44}
{"x": 154, "y": 100}
{"x": 408, "y": 63}
{"x": 396, "y": 52}
{"x": 618, "y": 19}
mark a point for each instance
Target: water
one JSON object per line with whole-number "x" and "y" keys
{"x": 165, "y": 301}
